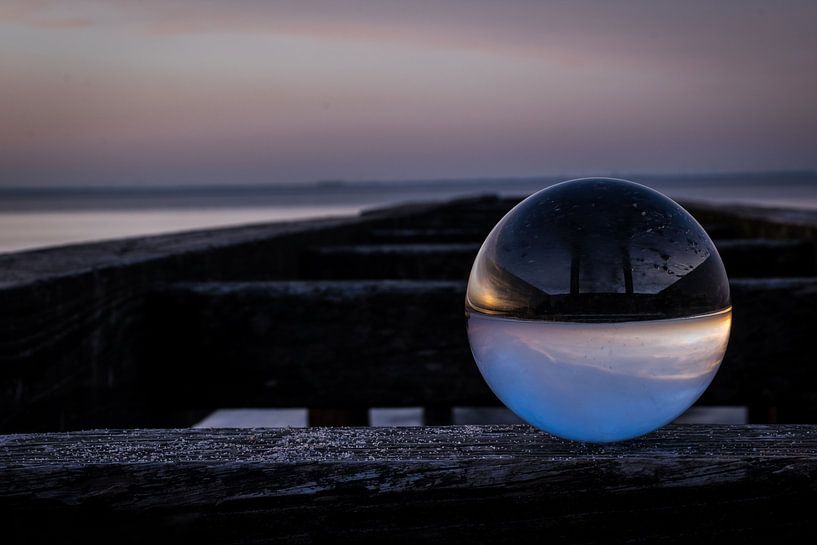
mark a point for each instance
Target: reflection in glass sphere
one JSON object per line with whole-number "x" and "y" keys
{"x": 598, "y": 310}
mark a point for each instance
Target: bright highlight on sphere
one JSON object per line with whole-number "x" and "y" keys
{"x": 598, "y": 310}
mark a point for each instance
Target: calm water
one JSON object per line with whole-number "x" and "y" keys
{"x": 596, "y": 381}
{"x": 35, "y": 218}
{"x": 25, "y": 230}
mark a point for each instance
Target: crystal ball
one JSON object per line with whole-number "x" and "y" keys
{"x": 598, "y": 310}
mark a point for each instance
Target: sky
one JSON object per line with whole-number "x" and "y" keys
{"x": 117, "y": 93}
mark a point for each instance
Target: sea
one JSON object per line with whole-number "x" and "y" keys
{"x": 42, "y": 217}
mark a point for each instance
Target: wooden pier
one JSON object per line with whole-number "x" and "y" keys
{"x": 141, "y": 338}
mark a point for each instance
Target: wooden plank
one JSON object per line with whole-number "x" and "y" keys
{"x": 480, "y": 212}
{"x": 430, "y": 260}
{"x": 721, "y": 220}
{"x": 403, "y": 343}
{"x": 769, "y": 365}
{"x": 420, "y": 235}
{"x": 742, "y": 257}
{"x": 414, "y": 235}
{"x": 454, "y": 484}
{"x": 767, "y": 257}
{"x": 314, "y": 344}
{"x": 757, "y": 221}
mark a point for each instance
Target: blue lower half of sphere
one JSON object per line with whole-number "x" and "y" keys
{"x": 599, "y": 382}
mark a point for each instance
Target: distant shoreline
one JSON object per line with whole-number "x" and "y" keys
{"x": 737, "y": 177}
{"x": 362, "y": 193}
{"x": 42, "y": 217}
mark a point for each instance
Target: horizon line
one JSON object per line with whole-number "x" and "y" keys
{"x": 399, "y": 182}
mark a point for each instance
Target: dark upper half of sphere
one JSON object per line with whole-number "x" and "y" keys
{"x": 598, "y": 249}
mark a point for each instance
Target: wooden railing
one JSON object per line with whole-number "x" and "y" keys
{"x": 454, "y": 484}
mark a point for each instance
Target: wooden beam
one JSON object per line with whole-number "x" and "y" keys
{"x": 314, "y": 344}
{"x": 455, "y": 484}
{"x": 748, "y": 221}
{"x": 419, "y": 235}
{"x": 766, "y": 258}
{"x": 743, "y": 258}
{"x": 479, "y": 213}
{"x": 369, "y": 261}
{"x": 769, "y": 365}
{"x": 403, "y": 343}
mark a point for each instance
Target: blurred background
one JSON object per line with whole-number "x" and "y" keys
{"x": 128, "y": 118}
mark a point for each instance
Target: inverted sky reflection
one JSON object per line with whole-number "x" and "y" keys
{"x": 600, "y": 382}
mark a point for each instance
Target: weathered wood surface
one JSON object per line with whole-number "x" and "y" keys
{"x": 721, "y": 220}
{"x": 436, "y": 236}
{"x": 762, "y": 258}
{"x": 480, "y": 212}
{"x": 747, "y": 221}
{"x": 770, "y": 362}
{"x": 743, "y": 258}
{"x": 432, "y": 261}
{"x": 403, "y": 343}
{"x": 315, "y": 344}
{"x": 457, "y": 484}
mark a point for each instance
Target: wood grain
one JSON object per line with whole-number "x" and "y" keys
{"x": 707, "y": 484}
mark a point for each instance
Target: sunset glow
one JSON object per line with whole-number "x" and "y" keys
{"x": 116, "y": 93}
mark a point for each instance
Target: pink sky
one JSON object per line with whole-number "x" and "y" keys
{"x": 175, "y": 92}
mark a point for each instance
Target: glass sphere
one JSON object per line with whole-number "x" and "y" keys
{"x": 598, "y": 310}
